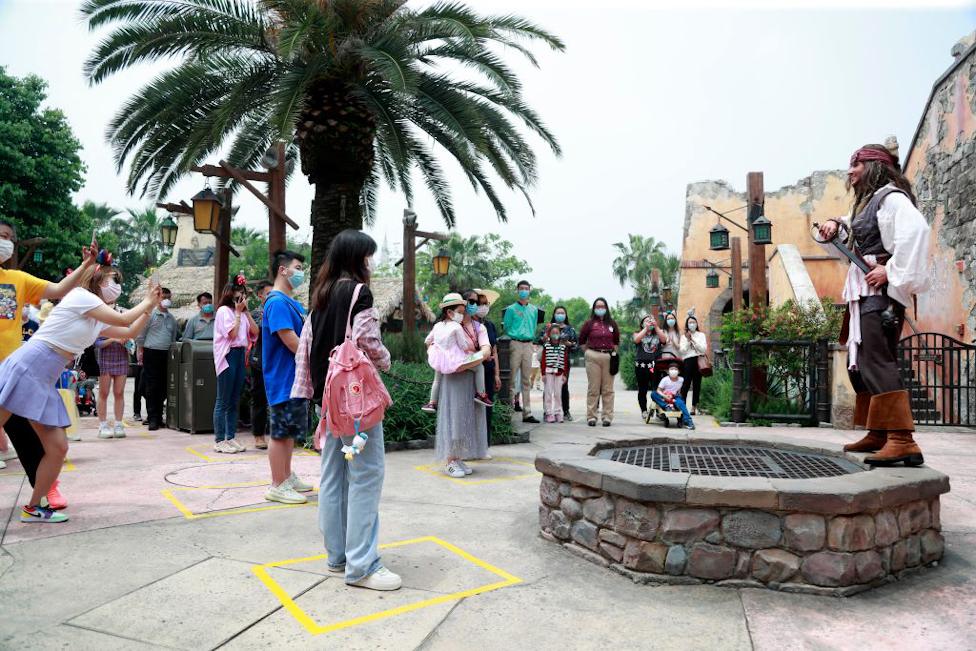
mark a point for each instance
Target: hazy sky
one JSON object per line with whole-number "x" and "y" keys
{"x": 644, "y": 101}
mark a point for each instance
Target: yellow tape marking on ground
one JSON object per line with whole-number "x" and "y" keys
{"x": 299, "y": 452}
{"x": 437, "y": 470}
{"x": 67, "y": 467}
{"x": 168, "y": 493}
{"x": 313, "y": 627}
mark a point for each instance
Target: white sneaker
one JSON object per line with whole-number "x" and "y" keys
{"x": 465, "y": 468}
{"x": 8, "y": 455}
{"x": 454, "y": 469}
{"x": 222, "y": 446}
{"x": 3, "y": 464}
{"x": 297, "y": 484}
{"x": 336, "y": 570}
{"x": 104, "y": 431}
{"x": 119, "y": 431}
{"x": 284, "y": 494}
{"x": 644, "y": 415}
{"x": 238, "y": 447}
{"x": 74, "y": 436}
{"x": 382, "y": 579}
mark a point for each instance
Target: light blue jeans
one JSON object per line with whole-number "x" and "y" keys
{"x": 349, "y": 503}
{"x": 227, "y": 406}
{"x": 678, "y": 402}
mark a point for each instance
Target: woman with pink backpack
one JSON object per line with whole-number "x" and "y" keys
{"x": 349, "y": 490}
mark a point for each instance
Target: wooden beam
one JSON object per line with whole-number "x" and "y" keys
{"x": 275, "y": 210}
{"x": 277, "y": 240}
{"x": 224, "y": 173}
{"x": 221, "y": 259}
{"x": 409, "y": 278}
{"x": 181, "y": 208}
{"x": 736, "y": 243}
{"x": 432, "y": 236}
{"x": 757, "y": 252}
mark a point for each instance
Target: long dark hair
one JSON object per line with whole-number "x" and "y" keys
{"x": 346, "y": 258}
{"x": 553, "y": 318}
{"x": 878, "y": 174}
{"x": 692, "y": 318}
{"x": 606, "y": 318}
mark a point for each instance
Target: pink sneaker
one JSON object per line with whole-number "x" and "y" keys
{"x": 55, "y": 499}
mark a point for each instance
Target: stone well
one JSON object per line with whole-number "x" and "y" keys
{"x": 842, "y": 530}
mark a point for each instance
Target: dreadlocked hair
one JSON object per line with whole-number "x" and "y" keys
{"x": 878, "y": 174}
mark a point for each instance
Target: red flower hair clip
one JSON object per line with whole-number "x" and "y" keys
{"x": 104, "y": 258}
{"x": 240, "y": 280}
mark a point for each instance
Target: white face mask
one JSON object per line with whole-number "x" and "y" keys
{"x": 111, "y": 291}
{"x": 482, "y": 311}
{"x": 692, "y": 327}
{"x": 6, "y": 250}
{"x": 457, "y": 316}
{"x": 673, "y": 373}
{"x": 671, "y": 323}
{"x": 165, "y": 303}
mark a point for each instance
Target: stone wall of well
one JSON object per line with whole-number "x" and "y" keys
{"x": 654, "y": 542}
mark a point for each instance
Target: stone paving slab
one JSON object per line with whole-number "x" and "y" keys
{"x": 64, "y": 636}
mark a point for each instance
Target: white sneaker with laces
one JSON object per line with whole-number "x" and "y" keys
{"x": 297, "y": 484}
{"x": 221, "y": 446}
{"x": 467, "y": 470}
{"x": 238, "y": 447}
{"x": 336, "y": 570}
{"x": 284, "y": 494}
{"x": 382, "y": 579}
{"x": 454, "y": 470}
{"x": 119, "y": 431}
{"x": 3, "y": 464}
{"x": 104, "y": 431}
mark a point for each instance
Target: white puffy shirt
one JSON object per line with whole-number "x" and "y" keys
{"x": 694, "y": 347}
{"x": 67, "y": 327}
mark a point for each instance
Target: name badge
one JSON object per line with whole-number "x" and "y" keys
{"x": 611, "y": 329}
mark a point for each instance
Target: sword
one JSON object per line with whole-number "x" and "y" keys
{"x": 855, "y": 260}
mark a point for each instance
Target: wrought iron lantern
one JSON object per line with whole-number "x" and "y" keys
{"x": 206, "y": 211}
{"x": 167, "y": 231}
{"x": 667, "y": 294}
{"x": 718, "y": 238}
{"x": 442, "y": 263}
{"x": 711, "y": 279}
{"x": 655, "y": 299}
{"x": 762, "y": 230}
{"x": 38, "y": 256}
{"x": 636, "y": 302}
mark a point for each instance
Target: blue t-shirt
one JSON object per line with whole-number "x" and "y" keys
{"x": 281, "y": 312}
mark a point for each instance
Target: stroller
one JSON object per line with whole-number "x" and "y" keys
{"x": 83, "y": 387}
{"x": 669, "y": 417}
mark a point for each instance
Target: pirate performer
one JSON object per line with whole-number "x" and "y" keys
{"x": 890, "y": 235}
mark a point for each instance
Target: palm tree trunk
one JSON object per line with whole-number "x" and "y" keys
{"x": 334, "y": 209}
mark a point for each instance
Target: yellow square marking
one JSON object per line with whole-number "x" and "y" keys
{"x": 313, "y": 627}
{"x": 170, "y": 494}
{"x": 195, "y": 451}
{"x": 67, "y": 467}
{"x": 437, "y": 470}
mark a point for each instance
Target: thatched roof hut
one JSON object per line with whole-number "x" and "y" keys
{"x": 387, "y": 299}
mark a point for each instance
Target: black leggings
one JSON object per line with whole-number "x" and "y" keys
{"x": 644, "y": 377}
{"x": 693, "y": 378}
{"x": 565, "y": 394}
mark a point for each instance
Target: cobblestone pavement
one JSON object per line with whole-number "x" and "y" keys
{"x": 171, "y": 545}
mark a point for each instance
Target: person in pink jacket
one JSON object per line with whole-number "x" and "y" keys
{"x": 234, "y": 332}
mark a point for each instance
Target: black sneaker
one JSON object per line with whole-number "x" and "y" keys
{"x": 689, "y": 425}
{"x": 591, "y": 422}
{"x": 517, "y": 407}
{"x": 568, "y": 417}
{"x": 606, "y": 423}
{"x": 153, "y": 426}
{"x": 530, "y": 419}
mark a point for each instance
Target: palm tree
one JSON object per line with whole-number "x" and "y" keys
{"x": 100, "y": 214}
{"x": 144, "y": 235}
{"x": 358, "y": 87}
{"x": 636, "y": 258}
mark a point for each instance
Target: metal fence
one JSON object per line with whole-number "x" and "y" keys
{"x": 782, "y": 381}
{"x": 938, "y": 372}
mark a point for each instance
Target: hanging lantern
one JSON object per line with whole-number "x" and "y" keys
{"x": 442, "y": 263}
{"x": 655, "y": 299}
{"x": 762, "y": 230}
{"x": 206, "y": 211}
{"x": 718, "y": 238}
{"x": 711, "y": 279}
{"x": 167, "y": 231}
{"x": 636, "y": 302}
{"x": 38, "y": 256}
{"x": 667, "y": 295}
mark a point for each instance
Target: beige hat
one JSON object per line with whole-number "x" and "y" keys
{"x": 450, "y": 300}
{"x": 490, "y": 294}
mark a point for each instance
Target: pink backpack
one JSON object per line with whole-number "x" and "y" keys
{"x": 355, "y": 398}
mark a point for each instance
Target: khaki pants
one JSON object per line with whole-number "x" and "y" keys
{"x": 520, "y": 354}
{"x": 599, "y": 385}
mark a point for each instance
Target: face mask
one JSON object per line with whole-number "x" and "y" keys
{"x": 560, "y": 317}
{"x": 554, "y": 338}
{"x": 483, "y": 311}
{"x": 470, "y": 309}
{"x": 457, "y": 316}
{"x": 111, "y": 292}
{"x": 673, "y": 373}
{"x": 692, "y": 327}
{"x": 6, "y": 250}
{"x": 165, "y": 303}
{"x": 671, "y": 323}
{"x": 523, "y": 294}
{"x": 296, "y": 278}
{"x": 600, "y": 312}
{"x": 208, "y": 308}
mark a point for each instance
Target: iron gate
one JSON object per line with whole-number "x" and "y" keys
{"x": 790, "y": 374}
{"x": 940, "y": 375}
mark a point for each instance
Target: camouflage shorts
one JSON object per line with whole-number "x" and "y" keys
{"x": 289, "y": 419}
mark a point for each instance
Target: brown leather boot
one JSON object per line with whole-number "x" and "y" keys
{"x": 892, "y": 412}
{"x": 873, "y": 440}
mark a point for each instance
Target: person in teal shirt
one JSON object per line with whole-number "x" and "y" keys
{"x": 520, "y": 322}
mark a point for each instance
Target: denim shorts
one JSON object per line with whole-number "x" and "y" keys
{"x": 289, "y": 419}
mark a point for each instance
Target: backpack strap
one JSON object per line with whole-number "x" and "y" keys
{"x": 352, "y": 303}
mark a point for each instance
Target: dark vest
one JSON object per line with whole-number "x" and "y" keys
{"x": 864, "y": 227}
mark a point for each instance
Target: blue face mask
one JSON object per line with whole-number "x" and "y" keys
{"x": 470, "y": 309}
{"x": 296, "y": 278}
{"x": 208, "y": 309}
{"x": 600, "y": 312}
{"x": 560, "y": 318}
{"x": 523, "y": 294}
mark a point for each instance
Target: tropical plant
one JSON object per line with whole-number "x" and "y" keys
{"x": 478, "y": 261}
{"x": 359, "y": 87}
{"x": 634, "y": 264}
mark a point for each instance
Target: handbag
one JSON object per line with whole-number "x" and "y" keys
{"x": 704, "y": 366}
{"x": 614, "y": 363}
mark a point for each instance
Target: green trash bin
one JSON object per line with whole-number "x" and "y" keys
{"x": 173, "y": 385}
{"x": 198, "y": 387}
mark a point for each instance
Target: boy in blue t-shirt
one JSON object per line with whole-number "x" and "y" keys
{"x": 280, "y": 331}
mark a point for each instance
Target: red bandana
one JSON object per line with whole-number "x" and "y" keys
{"x": 866, "y": 154}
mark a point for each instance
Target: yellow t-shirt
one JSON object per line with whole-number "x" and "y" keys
{"x": 16, "y": 290}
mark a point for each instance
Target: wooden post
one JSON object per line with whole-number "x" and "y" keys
{"x": 276, "y": 194}
{"x": 222, "y": 252}
{"x": 409, "y": 274}
{"x": 736, "y": 268}
{"x": 757, "y": 252}
{"x": 656, "y": 287}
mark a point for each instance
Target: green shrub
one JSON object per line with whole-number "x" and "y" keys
{"x": 501, "y": 430}
{"x": 627, "y": 372}
{"x": 716, "y": 395}
{"x": 405, "y": 347}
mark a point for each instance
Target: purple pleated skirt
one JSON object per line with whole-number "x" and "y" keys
{"x": 27, "y": 384}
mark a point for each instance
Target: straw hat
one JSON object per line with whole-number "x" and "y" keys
{"x": 450, "y": 300}
{"x": 490, "y": 294}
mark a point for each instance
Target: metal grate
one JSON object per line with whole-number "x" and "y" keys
{"x": 732, "y": 461}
